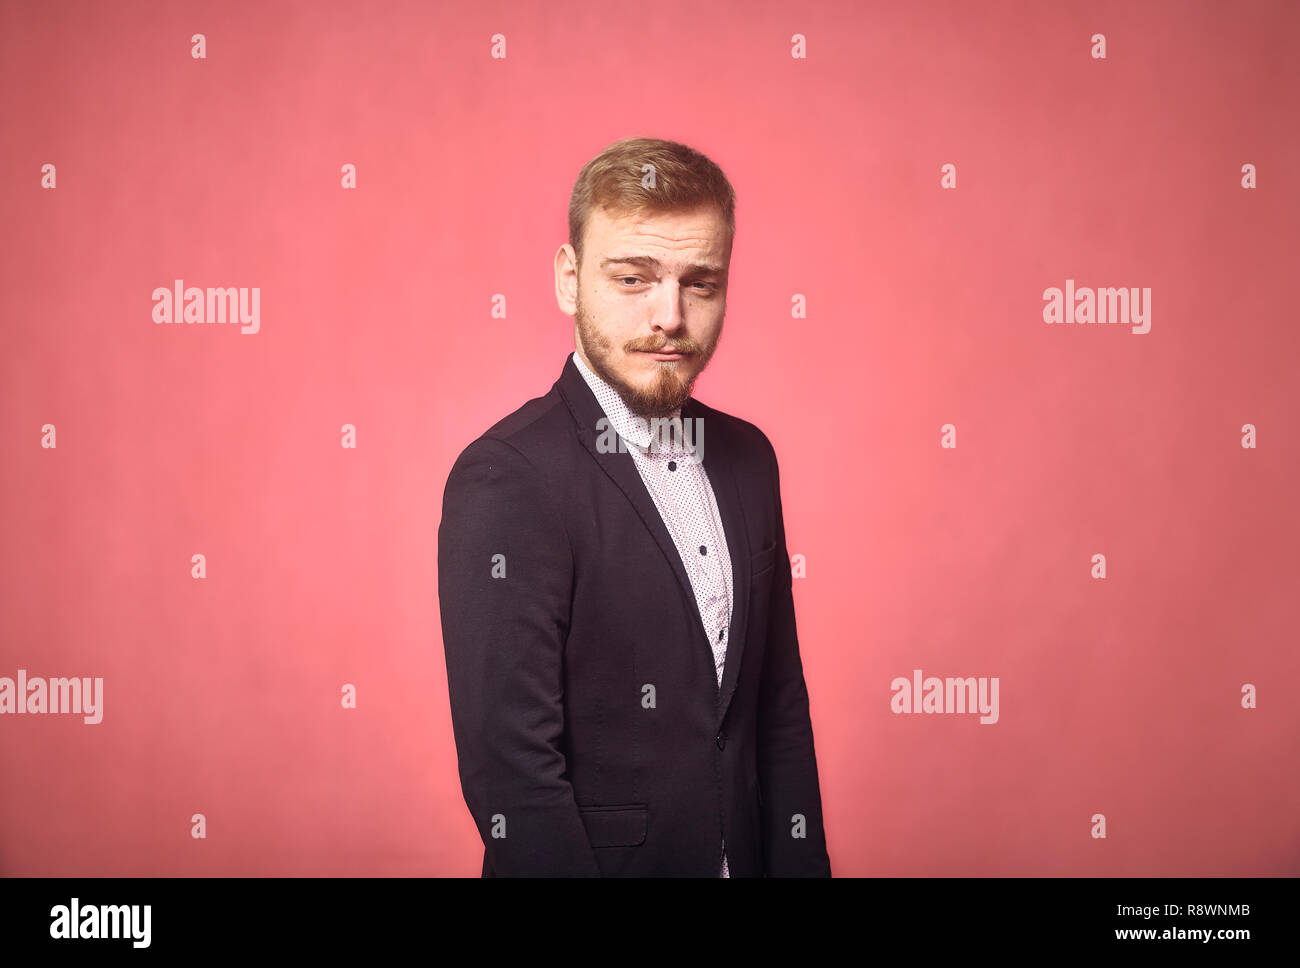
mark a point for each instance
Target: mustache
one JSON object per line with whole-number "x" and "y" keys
{"x": 683, "y": 345}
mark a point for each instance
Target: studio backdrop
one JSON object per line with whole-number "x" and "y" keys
{"x": 1011, "y": 294}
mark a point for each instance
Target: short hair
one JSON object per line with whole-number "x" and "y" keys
{"x": 683, "y": 179}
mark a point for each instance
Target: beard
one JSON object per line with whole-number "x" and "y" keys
{"x": 666, "y": 392}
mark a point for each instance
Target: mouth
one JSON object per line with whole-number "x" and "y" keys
{"x": 665, "y": 354}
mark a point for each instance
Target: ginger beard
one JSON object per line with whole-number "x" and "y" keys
{"x": 667, "y": 391}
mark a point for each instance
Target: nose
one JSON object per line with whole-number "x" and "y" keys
{"x": 668, "y": 317}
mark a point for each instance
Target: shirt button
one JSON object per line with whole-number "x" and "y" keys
{"x": 703, "y": 550}
{"x": 672, "y": 465}
{"x": 721, "y": 741}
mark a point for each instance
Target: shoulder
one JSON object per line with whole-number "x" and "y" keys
{"x": 520, "y": 439}
{"x": 505, "y": 475}
{"x": 745, "y": 439}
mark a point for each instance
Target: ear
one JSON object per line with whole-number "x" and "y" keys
{"x": 566, "y": 280}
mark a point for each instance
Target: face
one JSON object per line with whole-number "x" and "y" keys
{"x": 648, "y": 301}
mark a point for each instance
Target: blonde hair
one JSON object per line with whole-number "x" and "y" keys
{"x": 683, "y": 179}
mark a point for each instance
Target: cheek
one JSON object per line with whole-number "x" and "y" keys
{"x": 613, "y": 311}
{"x": 708, "y": 335}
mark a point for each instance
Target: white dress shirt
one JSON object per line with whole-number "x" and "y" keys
{"x": 682, "y": 493}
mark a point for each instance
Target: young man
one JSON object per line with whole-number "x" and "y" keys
{"x": 626, "y": 690}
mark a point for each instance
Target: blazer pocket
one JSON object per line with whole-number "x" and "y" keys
{"x": 619, "y": 826}
{"x": 761, "y": 561}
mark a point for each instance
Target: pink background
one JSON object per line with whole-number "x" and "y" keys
{"x": 1119, "y": 696}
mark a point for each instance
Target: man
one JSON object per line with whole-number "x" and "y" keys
{"x": 626, "y": 690}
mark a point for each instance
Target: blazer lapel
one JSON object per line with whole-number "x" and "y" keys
{"x": 719, "y": 465}
{"x": 622, "y": 471}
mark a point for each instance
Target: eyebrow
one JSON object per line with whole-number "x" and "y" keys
{"x": 699, "y": 268}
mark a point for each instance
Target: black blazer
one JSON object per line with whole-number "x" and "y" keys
{"x": 591, "y": 733}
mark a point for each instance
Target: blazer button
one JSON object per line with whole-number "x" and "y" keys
{"x": 721, "y": 741}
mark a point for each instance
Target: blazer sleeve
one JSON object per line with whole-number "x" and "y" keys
{"x": 787, "y": 762}
{"x": 505, "y": 572}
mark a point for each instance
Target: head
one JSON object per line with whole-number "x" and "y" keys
{"x": 644, "y": 273}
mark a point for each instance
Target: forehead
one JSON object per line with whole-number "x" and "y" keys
{"x": 701, "y": 232}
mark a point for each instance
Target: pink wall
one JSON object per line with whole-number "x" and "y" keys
{"x": 1119, "y": 696}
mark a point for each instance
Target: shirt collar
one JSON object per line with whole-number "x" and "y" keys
{"x": 634, "y": 429}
